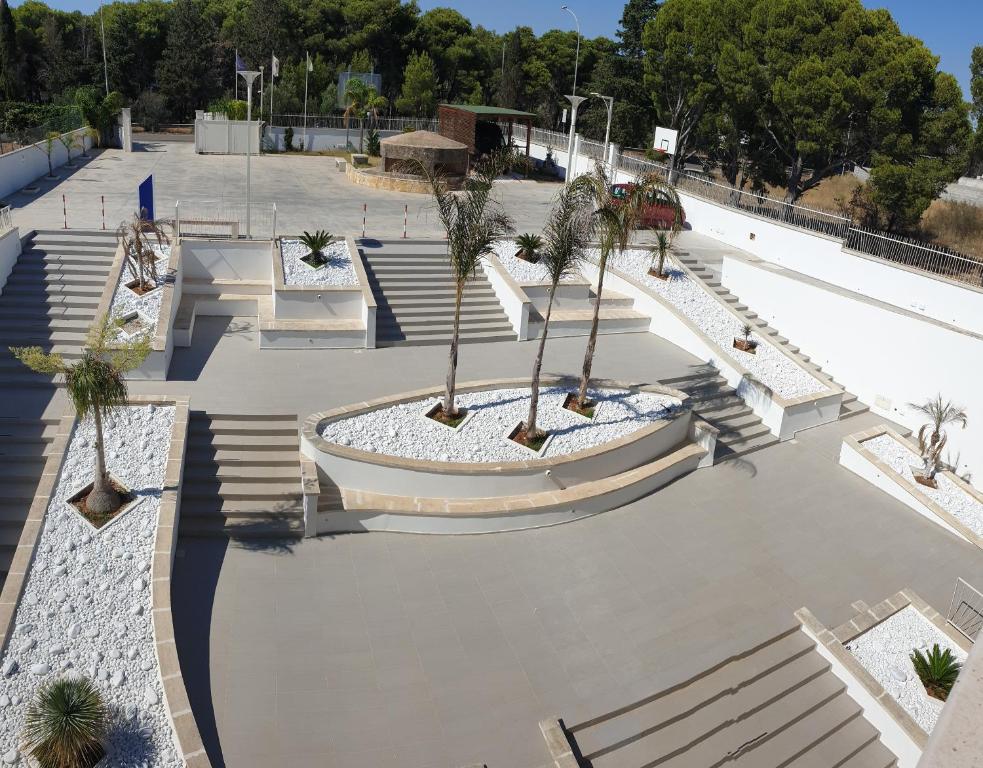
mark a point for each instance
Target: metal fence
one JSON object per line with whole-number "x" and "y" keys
{"x": 11, "y": 141}
{"x": 911, "y": 253}
{"x": 224, "y": 219}
{"x": 966, "y": 610}
{"x": 338, "y": 121}
{"x": 6, "y": 224}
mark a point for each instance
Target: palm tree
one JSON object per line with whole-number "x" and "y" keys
{"x": 937, "y": 670}
{"x": 618, "y": 218}
{"x": 663, "y": 240}
{"x": 568, "y": 233}
{"x": 931, "y": 437}
{"x": 137, "y": 235}
{"x": 96, "y": 386}
{"x": 361, "y": 98}
{"x": 65, "y": 724}
{"x": 472, "y": 222}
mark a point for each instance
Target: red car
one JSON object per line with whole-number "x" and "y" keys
{"x": 656, "y": 214}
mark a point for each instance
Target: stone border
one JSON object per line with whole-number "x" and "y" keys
{"x": 514, "y": 300}
{"x": 310, "y": 433}
{"x": 387, "y": 181}
{"x": 310, "y": 487}
{"x": 558, "y": 743}
{"x": 913, "y": 496}
{"x": 834, "y": 641}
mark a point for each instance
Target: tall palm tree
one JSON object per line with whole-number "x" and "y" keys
{"x": 932, "y": 437}
{"x": 360, "y": 98}
{"x": 96, "y": 386}
{"x": 137, "y": 236}
{"x": 66, "y": 723}
{"x": 618, "y": 218}
{"x": 472, "y": 222}
{"x": 569, "y": 229}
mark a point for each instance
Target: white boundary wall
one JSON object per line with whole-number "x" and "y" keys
{"x": 10, "y": 248}
{"x": 886, "y": 357}
{"x": 22, "y": 166}
{"x": 226, "y": 137}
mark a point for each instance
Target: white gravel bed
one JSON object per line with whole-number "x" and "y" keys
{"x": 147, "y": 306}
{"x": 403, "y": 430}
{"x": 885, "y": 650}
{"x": 522, "y": 271}
{"x": 338, "y": 270}
{"x": 953, "y": 499}
{"x": 86, "y": 607}
{"x": 769, "y": 365}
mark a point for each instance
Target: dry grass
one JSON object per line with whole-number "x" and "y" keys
{"x": 832, "y": 193}
{"x": 956, "y": 225}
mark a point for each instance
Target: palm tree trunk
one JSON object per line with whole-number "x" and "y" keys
{"x": 531, "y": 428}
{"x": 361, "y": 133}
{"x": 662, "y": 262}
{"x": 592, "y": 340}
{"x": 102, "y": 498}
{"x": 449, "y": 408}
{"x": 348, "y": 140}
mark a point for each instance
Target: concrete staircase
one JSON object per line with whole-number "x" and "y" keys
{"x": 778, "y": 705}
{"x": 851, "y": 405}
{"x": 242, "y": 477}
{"x": 741, "y": 431}
{"x": 51, "y": 297}
{"x": 414, "y": 289}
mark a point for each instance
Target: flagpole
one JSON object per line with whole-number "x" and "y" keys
{"x": 261, "y": 92}
{"x": 307, "y": 71}
{"x": 235, "y": 72}
{"x": 272, "y": 82}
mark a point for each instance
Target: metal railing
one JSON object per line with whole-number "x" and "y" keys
{"x": 224, "y": 219}
{"x": 6, "y": 223}
{"x": 965, "y": 613}
{"x": 338, "y": 121}
{"x": 911, "y": 253}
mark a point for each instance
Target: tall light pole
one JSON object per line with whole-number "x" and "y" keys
{"x": 105, "y": 66}
{"x": 575, "y": 102}
{"x": 576, "y": 59}
{"x": 248, "y": 76}
{"x": 609, "y": 100}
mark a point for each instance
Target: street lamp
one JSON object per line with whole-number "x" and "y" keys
{"x": 609, "y": 100}
{"x": 248, "y": 76}
{"x": 575, "y": 102}
{"x": 576, "y": 60}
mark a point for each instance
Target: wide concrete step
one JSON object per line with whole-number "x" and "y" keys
{"x": 222, "y": 527}
{"x": 465, "y": 338}
{"x": 255, "y": 457}
{"x": 13, "y": 429}
{"x": 424, "y": 290}
{"x": 467, "y": 311}
{"x": 239, "y": 473}
{"x": 400, "y": 302}
{"x": 50, "y": 279}
{"x": 214, "y": 506}
{"x": 41, "y": 291}
{"x": 37, "y": 267}
{"x": 94, "y": 246}
{"x": 241, "y": 489}
{"x": 41, "y": 323}
{"x": 20, "y": 336}
{"x": 419, "y": 331}
{"x": 442, "y": 323}
{"x": 249, "y": 443}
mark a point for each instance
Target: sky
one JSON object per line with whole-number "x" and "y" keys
{"x": 950, "y": 28}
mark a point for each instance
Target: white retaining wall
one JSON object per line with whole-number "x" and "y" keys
{"x": 20, "y": 167}
{"x": 227, "y": 259}
{"x": 226, "y": 137}
{"x": 886, "y": 357}
{"x": 10, "y": 248}
{"x": 320, "y": 139}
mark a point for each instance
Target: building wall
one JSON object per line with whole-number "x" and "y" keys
{"x": 458, "y": 125}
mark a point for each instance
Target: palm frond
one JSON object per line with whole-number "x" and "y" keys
{"x": 937, "y": 669}
{"x": 38, "y": 360}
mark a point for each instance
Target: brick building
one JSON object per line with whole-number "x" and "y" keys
{"x": 460, "y": 122}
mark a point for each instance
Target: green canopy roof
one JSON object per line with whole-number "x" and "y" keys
{"x": 490, "y": 111}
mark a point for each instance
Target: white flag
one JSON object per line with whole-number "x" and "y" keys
{"x": 275, "y": 68}
{"x": 310, "y": 64}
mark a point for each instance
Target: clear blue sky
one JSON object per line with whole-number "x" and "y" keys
{"x": 950, "y": 28}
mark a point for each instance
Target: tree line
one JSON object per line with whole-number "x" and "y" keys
{"x": 768, "y": 93}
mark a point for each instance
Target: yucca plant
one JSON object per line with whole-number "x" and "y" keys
{"x": 529, "y": 245}
{"x": 65, "y": 724}
{"x": 315, "y": 243}
{"x": 663, "y": 241}
{"x": 96, "y": 387}
{"x": 937, "y": 670}
{"x": 932, "y": 438}
{"x": 137, "y": 235}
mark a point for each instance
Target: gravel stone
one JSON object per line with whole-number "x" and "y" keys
{"x": 953, "y": 499}
{"x": 338, "y": 270}
{"x": 482, "y": 438}
{"x": 522, "y": 271}
{"x": 125, "y": 301}
{"x": 885, "y": 652}
{"x": 773, "y": 368}
{"x": 80, "y": 642}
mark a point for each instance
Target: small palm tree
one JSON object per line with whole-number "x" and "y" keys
{"x": 361, "y": 98}
{"x": 472, "y": 222}
{"x": 47, "y": 145}
{"x": 96, "y": 387}
{"x": 92, "y": 134}
{"x": 932, "y": 437}
{"x": 69, "y": 141}
{"x": 618, "y": 220}
{"x": 137, "y": 236}
{"x": 529, "y": 245}
{"x": 568, "y": 233}
{"x": 315, "y": 242}
{"x": 663, "y": 241}
{"x": 937, "y": 670}
{"x": 65, "y": 724}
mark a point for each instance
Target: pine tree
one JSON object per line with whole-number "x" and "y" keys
{"x": 185, "y": 74}
{"x": 9, "y": 55}
{"x": 419, "y": 96}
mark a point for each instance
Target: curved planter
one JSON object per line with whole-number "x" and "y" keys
{"x": 353, "y": 469}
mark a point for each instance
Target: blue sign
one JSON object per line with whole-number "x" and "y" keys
{"x": 146, "y": 193}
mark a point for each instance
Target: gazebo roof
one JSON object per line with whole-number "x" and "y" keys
{"x": 423, "y": 139}
{"x": 487, "y": 111}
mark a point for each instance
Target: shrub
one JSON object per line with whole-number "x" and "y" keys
{"x": 150, "y": 110}
{"x": 373, "y": 145}
{"x": 288, "y": 139}
{"x": 937, "y": 670}
{"x": 65, "y": 724}
{"x": 529, "y": 245}
{"x": 315, "y": 242}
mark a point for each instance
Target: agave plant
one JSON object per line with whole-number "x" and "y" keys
{"x": 529, "y": 245}
{"x": 937, "y": 670}
{"x": 137, "y": 235}
{"x": 65, "y": 724}
{"x": 315, "y": 243}
{"x": 932, "y": 438}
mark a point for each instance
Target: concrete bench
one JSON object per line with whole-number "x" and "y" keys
{"x": 359, "y": 159}
{"x": 339, "y": 163}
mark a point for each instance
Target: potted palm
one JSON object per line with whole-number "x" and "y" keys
{"x": 744, "y": 342}
{"x": 66, "y": 724}
{"x": 932, "y": 438}
{"x": 568, "y": 233}
{"x": 529, "y": 245}
{"x": 937, "y": 670}
{"x": 663, "y": 240}
{"x": 137, "y": 235}
{"x": 315, "y": 243}
{"x": 96, "y": 387}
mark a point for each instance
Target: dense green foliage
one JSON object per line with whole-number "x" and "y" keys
{"x": 937, "y": 670}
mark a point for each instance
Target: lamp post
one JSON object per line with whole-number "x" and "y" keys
{"x": 105, "y": 65}
{"x": 575, "y": 102}
{"x": 609, "y": 100}
{"x": 248, "y": 76}
{"x": 576, "y": 59}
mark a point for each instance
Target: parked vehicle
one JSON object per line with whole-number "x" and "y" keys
{"x": 655, "y": 215}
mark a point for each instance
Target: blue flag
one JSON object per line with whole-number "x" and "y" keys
{"x": 240, "y": 64}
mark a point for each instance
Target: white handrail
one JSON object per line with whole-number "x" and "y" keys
{"x": 6, "y": 222}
